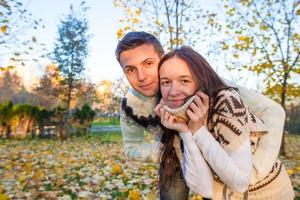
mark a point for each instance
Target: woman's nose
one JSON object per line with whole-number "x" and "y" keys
{"x": 173, "y": 90}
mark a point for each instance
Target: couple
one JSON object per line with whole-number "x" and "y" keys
{"x": 219, "y": 140}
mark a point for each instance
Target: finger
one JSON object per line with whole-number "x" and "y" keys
{"x": 162, "y": 114}
{"x": 166, "y": 115}
{"x": 196, "y": 110}
{"x": 191, "y": 115}
{"x": 204, "y": 97}
{"x": 171, "y": 119}
{"x": 198, "y": 102}
{"x": 157, "y": 109}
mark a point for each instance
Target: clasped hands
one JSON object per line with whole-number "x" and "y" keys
{"x": 197, "y": 113}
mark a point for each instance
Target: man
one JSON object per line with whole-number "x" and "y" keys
{"x": 139, "y": 54}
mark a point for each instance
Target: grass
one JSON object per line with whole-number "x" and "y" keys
{"x": 106, "y": 121}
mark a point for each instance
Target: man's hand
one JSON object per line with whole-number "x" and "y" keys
{"x": 197, "y": 112}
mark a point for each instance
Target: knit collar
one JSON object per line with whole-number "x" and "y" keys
{"x": 141, "y": 96}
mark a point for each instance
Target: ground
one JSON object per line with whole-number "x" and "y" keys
{"x": 89, "y": 168}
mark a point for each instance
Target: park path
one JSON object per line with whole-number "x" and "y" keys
{"x": 110, "y": 128}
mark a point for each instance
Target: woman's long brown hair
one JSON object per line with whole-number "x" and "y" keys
{"x": 210, "y": 83}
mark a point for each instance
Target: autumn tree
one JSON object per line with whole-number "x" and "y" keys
{"x": 85, "y": 93}
{"x": 50, "y": 89}
{"x": 174, "y": 22}
{"x": 263, "y": 37}
{"x": 10, "y": 84}
{"x": 71, "y": 49}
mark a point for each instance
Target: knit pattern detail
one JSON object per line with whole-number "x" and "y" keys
{"x": 229, "y": 120}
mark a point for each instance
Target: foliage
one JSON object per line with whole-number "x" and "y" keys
{"x": 20, "y": 119}
{"x": 263, "y": 37}
{"x": 173, "y": 22}
{"x": 83, "y": 118}
{"x": 49, "y": 88}
{"x": 10, "y": 84}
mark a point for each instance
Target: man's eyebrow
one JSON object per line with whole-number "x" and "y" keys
{"x": 148, "y": 59}
{"x": 128, "y": 66}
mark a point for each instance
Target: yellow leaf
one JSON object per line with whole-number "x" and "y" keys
{"x": 116, "y": 169}
{"x": 120, "y": 33}
{"x": 127, "y": 28}
{"x": 298, "y": 12}
{"x": 243, "y": 38}
{"x": 197, "y": 197}
{"x": 290, "y": 171}
{"x": 8, "y": 167}
{"x": 138, "y": 12}
{"x": 157, "y": 22}
{"x": 135, "y": 20}
{"x": 4, "y": 197}
{"x": 21, "y": 179}
{"x": 134, "y": 194}
{"x": 151, "y": 196}
{"x": 59, "y": 170}
{"x": 4, "y": 29}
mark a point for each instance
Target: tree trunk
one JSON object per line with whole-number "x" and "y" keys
{"x": 283, "y": 96}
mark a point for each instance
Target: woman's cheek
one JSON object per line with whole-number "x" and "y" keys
{"x": 164, "y": 91}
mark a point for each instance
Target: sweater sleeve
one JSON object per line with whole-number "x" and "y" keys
{"x": 135, "y": 146}
{"x": 228, "y": 152}
{"x": 196, "y": 171}
{"x": 234, "y": 168}
{"x": 268, "y": 146}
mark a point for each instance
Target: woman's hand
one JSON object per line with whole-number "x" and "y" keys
{"x": 170, "y": 121}
{"x": 197, "y": 112}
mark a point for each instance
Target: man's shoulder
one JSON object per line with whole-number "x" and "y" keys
{"x": 139, "y": 108}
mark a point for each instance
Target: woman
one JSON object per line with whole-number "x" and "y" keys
{"x": 219, "y": 136}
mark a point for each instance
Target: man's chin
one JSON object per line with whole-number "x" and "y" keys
{"x": 148, "y": 93}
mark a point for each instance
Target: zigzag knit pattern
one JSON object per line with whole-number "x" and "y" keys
{"x": 229, "y": 120}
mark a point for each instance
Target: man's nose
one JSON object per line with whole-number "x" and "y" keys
{"x": 141, "y": 75}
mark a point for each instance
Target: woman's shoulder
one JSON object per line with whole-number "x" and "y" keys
{"x": 229, "y": 102}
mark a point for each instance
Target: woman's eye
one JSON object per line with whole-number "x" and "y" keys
{"x": 184, "y": 81}
{"x": 164, "y": 83}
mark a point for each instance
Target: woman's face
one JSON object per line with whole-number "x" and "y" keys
{"x": 176, "y": 82}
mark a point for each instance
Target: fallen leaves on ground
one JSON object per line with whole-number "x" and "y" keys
{"x": 81, "y": 168}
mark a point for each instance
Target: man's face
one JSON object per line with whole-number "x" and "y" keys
{"x": 140, "y": 66}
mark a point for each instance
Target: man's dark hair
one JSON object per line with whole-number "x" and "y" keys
{"x": 135, "y": 39}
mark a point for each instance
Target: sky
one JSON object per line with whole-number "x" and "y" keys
{"x": 103, "y": 24}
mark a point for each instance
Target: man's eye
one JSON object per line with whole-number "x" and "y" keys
{"x": 129, "y": 71}
{"x": 149, "y": 64}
